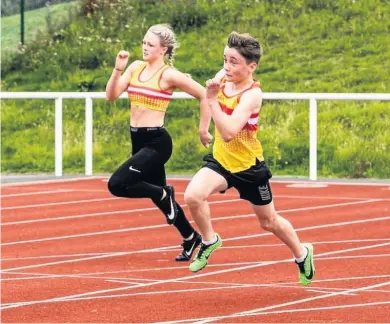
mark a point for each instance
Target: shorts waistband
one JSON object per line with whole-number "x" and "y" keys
{"x": 144, "y": 129}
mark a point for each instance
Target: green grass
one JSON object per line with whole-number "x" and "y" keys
{"x": 35, "y": 23}
{"x": 309, "y": 46}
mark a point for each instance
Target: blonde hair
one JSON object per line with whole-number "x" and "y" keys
{"x": 167, "y": 38}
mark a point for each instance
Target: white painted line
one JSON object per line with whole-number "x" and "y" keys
{"x": 52, "y": 181}
{"x": 227, "y": 239}
{"x": 50, "y": 219}
{"x": 326, "y": 197}
{"x": 310, "y": 228}
{"x": 83, "y": 259}
{"x": 84, "y": 235}
{"x": 233, "y": 264}
{"x": 281, "y": 244}
{"x": 295, "y": 311}
{"x": 327, "y": 292}
{"x": 326, "y": 308}
{"x": 259, "y": 311}
{"x": 159, "y": 226}
{"x": 103, "y": 213}
{"x": 338, "y": 183}
{"x": 94, "y": 274}
{"x": 275, "y": 180}
{"x": 60, "y": 203}
{"x": 307, "y": 185}
{"x": 260, "y": 264}
{"x": 188, "y": 178}
{"x": 59, "y": 256}
{"x": 37, "y": 193}
{"x": 55, "y": 256}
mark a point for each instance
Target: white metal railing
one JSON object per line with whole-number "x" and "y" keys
{"x": 89, "y": 96}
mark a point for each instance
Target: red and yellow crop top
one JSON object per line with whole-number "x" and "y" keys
{"x": 148, "y": 94}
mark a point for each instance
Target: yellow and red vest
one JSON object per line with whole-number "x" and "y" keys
{"x": 148, "y": 94}
{"x": 242, "y": 151}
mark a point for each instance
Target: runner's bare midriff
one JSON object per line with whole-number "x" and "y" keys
{"x": 143, "y": 117}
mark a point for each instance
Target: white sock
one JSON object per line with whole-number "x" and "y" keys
{"x": 302, "y": 258}
{"x": 211, "y": 241}
{"x": 189, "y": 238}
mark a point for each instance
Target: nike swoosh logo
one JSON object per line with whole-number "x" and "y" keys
{"x": 132, "y": 169}
{"x": 310, "y": 276}
{"x": 190, "y": 251}
{"x": 171, "y": 215}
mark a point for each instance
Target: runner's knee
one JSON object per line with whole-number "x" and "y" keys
{"x": 268, "y": 222}
{"x": 194, "y": 197}
{"x": 114, "y": 186}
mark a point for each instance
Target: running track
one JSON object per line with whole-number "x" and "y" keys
{"x": 72, "y": 253}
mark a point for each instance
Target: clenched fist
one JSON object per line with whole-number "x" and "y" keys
{"x": 121, "y": 60}
{"x": 212, "y": 88}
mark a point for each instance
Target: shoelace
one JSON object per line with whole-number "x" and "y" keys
{"x": 203, "y": 248}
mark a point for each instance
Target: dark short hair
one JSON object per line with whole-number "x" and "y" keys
{"x": 248, "y": 46}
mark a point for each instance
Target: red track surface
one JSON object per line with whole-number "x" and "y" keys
{"x": 72, "y": 253}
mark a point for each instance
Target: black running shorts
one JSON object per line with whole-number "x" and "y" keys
{"x": 252, "y": 184}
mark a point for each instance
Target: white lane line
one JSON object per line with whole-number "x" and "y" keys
{"x": 86, "y": 274}
{"x": 326, "y": 308}
{"x": 306, "y": 197}
{"x": 316, "y": 243}
{"x": 329, "y": 198}
{"x": 259, "y": 311}
{"x": 131, "y": 229}
{"x": 126, "y": 211}
{"x": 61, "y": 203}
{"x": 14, "y": 305}
{"x": 56, "y": 256}
{"x": 293, "y": 311}
{"x": 113, "y": 198}
{"x": 323, "y": 291}
{"x": 276, "y": 180}
{"x": 53, "y": 181}
{"x": 33, "y": 193}
{"x": 338, "y": 183}
{"x": 184, "y": 205}
{"x": 59, "y": 256}
{"x": 187, "y": 179}
{"x": 228, "y": 239}
{"x": 190, "y": 290}
{"x": 232, "y": 264}
{"x": 311, "y": 227}
{"x": 59, "y": 276}
{"x": 252, "y": 266}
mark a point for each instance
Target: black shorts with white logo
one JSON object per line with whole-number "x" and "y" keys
{"x": 252, "y": 184}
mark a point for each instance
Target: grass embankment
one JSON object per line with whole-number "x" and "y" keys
{"x": 309, "y": 46}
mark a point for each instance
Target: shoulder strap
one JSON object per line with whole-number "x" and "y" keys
{"x": 137, "y": 71}
{"x": 255, "y": 84}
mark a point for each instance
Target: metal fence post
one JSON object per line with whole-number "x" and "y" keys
{"x": 88, "y": 136}
{"x": 58, "y": 137}
{"x": 313, "y": 138}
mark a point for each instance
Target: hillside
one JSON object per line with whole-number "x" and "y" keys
{"x": 309, "y": 46}
{"x": 37, "y": 23}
